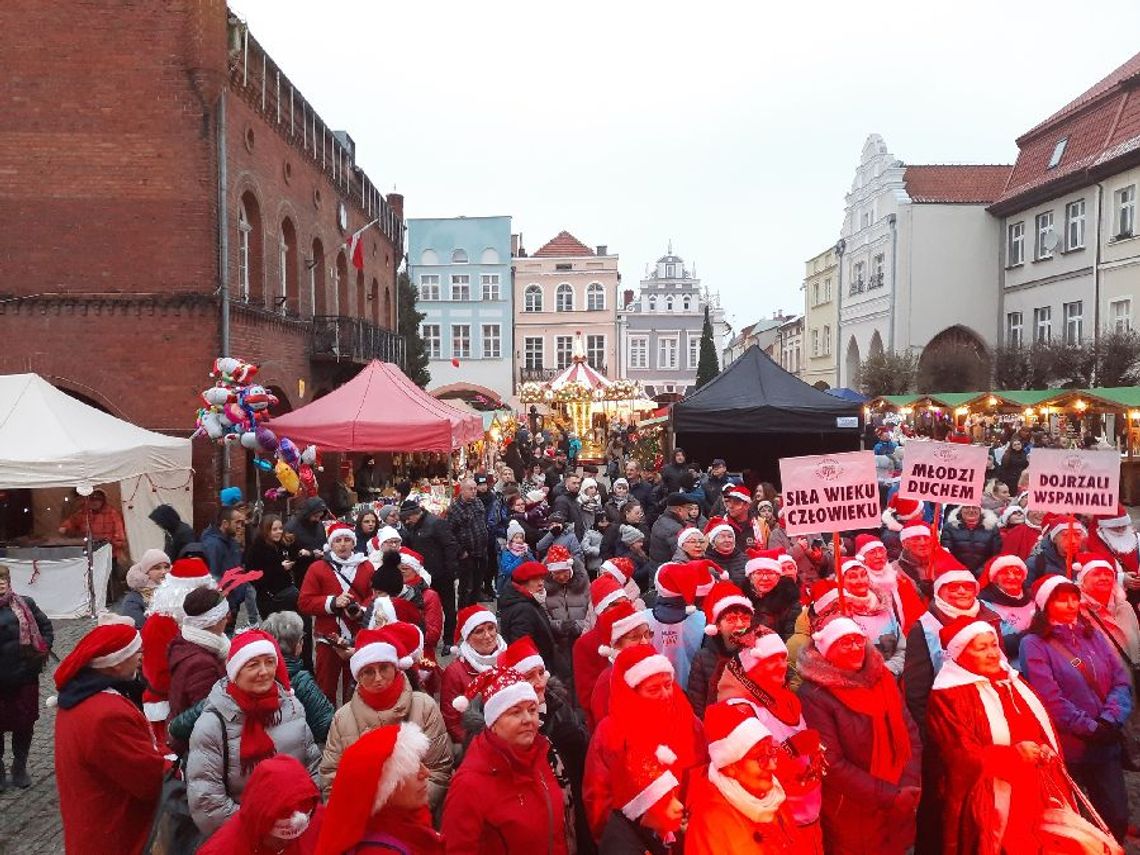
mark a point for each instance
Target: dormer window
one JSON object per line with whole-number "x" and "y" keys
{"x": 670, "y": 271}
{"x": 1058, "y": 152}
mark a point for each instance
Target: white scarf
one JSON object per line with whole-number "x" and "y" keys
{"x": 886, "y": 579}
{"x": 953, "y": 612}
{"x": 867, "y": 605}
{"x": 219, "y": 645}
{"x": 477, "y": 660}
{"x": 757, "y": 810}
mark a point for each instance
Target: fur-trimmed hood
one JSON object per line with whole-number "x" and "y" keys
{"x": 813, "y": 667}
{"x": 989, "y": 520}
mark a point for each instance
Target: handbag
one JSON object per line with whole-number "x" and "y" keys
{"x": 174, "y": 831}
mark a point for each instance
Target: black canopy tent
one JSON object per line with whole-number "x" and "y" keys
{"x": 754, "y": 412}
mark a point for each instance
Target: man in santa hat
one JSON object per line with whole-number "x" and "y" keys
{"x": 750, "y": 532}
{"x": 914, "y": 561}
{"x": 335, "y": 593}
{"x": 1115, "y": 535}
{"x": 898, "y": 589}
{"x": 898, "y": 515}
{"x": 1061, "y": 536}
{"x": 728, "y": 621}
{"x": 108, "y": 767}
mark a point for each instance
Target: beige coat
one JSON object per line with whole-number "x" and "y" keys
{"x": 356, "y": 718}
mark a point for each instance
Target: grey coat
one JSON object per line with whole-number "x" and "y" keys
{"x": 211, "y": 801}
{"x": 663, "y": 538}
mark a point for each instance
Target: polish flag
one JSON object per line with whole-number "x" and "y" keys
{"x": 355, "y": 246}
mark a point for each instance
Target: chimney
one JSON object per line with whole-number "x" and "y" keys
{"x": 516, "y": 240}
{"x": 601, "y": 249}
{"x": 628, "y": 297}
{"x": 396, "y": 203}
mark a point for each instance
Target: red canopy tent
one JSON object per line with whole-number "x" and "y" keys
{"x": 379, "y": 409}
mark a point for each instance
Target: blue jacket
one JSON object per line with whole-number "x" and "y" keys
{"x": 222, "y": 553}
{"x": 1071, "y": 702}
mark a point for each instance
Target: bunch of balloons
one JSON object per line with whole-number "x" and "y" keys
{"x": 234, "y": 409}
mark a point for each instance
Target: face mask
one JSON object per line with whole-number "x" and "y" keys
{"x": 291, "y": 827}
{"x": 540, "y": 596}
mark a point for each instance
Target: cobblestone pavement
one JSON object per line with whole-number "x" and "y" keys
{"x": 29, "y": 819}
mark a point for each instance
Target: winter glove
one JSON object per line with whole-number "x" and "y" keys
{"x": 1106, "y": 733}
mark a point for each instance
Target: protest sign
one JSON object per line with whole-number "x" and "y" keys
{"x": 1074, "y": 482}
{"x": 947, "y": 472}
{"x": 830, "y": 492}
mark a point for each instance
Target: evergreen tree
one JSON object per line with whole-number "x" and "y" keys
{"x": 708, "y": 366}
{"x": 408, "y": 328}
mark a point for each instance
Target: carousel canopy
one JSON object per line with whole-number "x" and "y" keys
{"x": 579, "y": 371}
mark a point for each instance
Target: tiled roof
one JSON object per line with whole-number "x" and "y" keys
{"x": 955, "y": 184}
{"x": 563, "y": 245}
{"x": 1124, "y": 72}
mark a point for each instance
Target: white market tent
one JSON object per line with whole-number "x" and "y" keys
{"x": 49, "y": 439}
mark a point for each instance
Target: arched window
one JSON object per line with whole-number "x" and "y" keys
{"x": 652, "y": 303}
{"x": 532, "y": 298}
{"x": 564, "y": 298}
{"x": 459, "y": 256}
{"x": 374, "y": 296}
{"x": 389, "y": 321}
{"x": 687, "y": 302}
{"x": 490, "y": 256}
{"x": 250, "y": 256}
{"x": 669, "y": 303}
{"x": 429, "y": 256}
{"x": 595, "y": 297}
{"x": 317, "y": 297}
{"x": 287, "y": 297}
{"x": 342, "y": 285}
{"x": 361, "y": 296}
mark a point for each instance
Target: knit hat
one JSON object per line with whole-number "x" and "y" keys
{"x": 409, "y": 508}
{"x": 137, "y": 579}
{"x": 558, "y": 558}
{"x": 528, "y": 570}
{"x": 638, "y": 663}
{"x": 617, "y": 621}
{"x": 738, "y": 492}
{"x": 387, "y": 577}
{"x": 535, "y": 497}
{"x": 674, "y": 579}
{"x": 688, "y": 532}
{"x": 1009, "y": 511}
{"x": 230, "y": 496}
{"x": 411, "y": 558}
{"x": 1001, "y": 562}
{"x": 339, "y": 529}
{"x": 604, "y": 592}
{"x": 723, "y": 595}
{"x": 834, "y": 630}
{"x": 501, "y": 689}
{"x": 204, "y": 607}
{"x": 620, "y": 482}
{"x": 1045, "y": 587}
{"x": 382, "y": 534}
{"x": 864, "y": 543}
{"x": 919, "y": 529}
{"x": 380, "y": 646}
{"x": 251, "y": 643}
{"x": 620, "y": 568}
{"x": 105, "y": 646}
{"x": 906, "y": 509}
{"x": 631, "y": 535}
{"x": 369, "y": 771}
{"x": 587, "y": 483}
{"x": 1087, "y": 562}
{"x": 824, "y": 594}
{"x": 522, "y": 655}
{"x": 717, "y": 526}
{"x": 1054, "y": 524}
{"x": 766, "y": 645}
{"x": 763, "y": 560}
{"x": 514, "y": 527}
{"x": 469, "y": 619}
{"x": 641, "y": 780}
{"x": 732, "y": 731}
{"x": 957, "y": 635}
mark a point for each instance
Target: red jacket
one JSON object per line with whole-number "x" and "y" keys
{"x": 716, "y": 827}
{"x": 109, "y": 775}
{"x": 498, "y": 805}
{"x": 588, "y": 666}
{"x": 322, "y": 585}
{"x": 599, "y": 706}
{"x": 157, "y": 633}
{"x": 193, "y": 672}
{"x": 1019, "y": 540}
{"x": 456, "y": 678}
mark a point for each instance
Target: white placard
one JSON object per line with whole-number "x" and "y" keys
{"x": 830, "y": 492}
{"x": 949, "y": 472}
{"x": 1074, "y": 482}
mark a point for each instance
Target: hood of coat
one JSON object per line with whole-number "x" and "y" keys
{"x": 989, "y": 520}
{"x": 813, "y": 667}
{"x": 166, "y": 518}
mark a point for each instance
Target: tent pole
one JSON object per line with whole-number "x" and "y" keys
{"x": 91, "y": 562}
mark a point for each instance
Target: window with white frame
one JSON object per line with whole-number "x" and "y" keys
{"x": 533, "y": 352}
{"x": 244, "y": 230}
{"x": 1126, "y": 211}
{"x": 429, "y": 286}
{"x": 595, "y": 297}
{"x": 492, "y": 341}
{"x": 815, "y": 293}
{"x": 460, "y": 286}
{"x": 877, "y": 271}
{"x": 563, "y": 351}
{"x": 596, "y": 351}
{"x": 694, "y": 350}
{"x": 1120, "y": 314}
{"x": 827, "y": 340}
{"x": 639, "y": 352}
{"x": 489, "y": 285}
{"x": 1044, "y": 231}
{"x": 1042, "y": 323}
{"x": 1015, "y": 244}
{"x": 532, "y": 298}
{"x": 1073, "y": 315}
{"x": 430, "y": 334}
{"x": 1014, "y": 323}
{"x": 669, "y": 303}
{"x": 814, "y": 342}
{"x": 687, "y": 302}
{"x": 827, "y": 290}
{"x": 652, "y": 303}
{"x": 1075, "y": 225}
{"x": 564, "y": 298}
{"x": 667, "y": 353}
{"x": 859, "y": 279}
{"x": 461, "y": 341}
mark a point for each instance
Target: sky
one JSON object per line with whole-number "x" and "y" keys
{"x": 731, "y": 129}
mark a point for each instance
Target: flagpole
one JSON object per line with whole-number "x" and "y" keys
{"x": 313, "y": 263}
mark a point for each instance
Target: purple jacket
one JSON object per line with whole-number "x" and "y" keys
{"x": 1071, "y": 702}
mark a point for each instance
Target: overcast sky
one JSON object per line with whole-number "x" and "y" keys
{"x": 733, "y": 129}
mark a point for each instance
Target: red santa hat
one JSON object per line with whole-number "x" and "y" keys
{"x": 1089, "y": 562}
{"x": 763, "y": 560}
{"x": 824, "y": 594}
{"x": 192, "y": 570}
{"x": 605, "y": 591}
{"x": 833, "y": 630}
{"x": 642, "y": 780}
{"x": 377, "y": 647}
{"x": 687, "y": 533}
{"x": 864, "y": 543}
{"x": 409, "y": 639}
{"x": 1054, "y": 524}
{"x": 674, "y": 579}
{"x": 251, "y": 643}
{"x": 158, "y": 630}
{"x": 708, "y": 573}
{"x": 905, "y": 509}
{"x": 620, "y": 568}
{"x": 1002, "y": 562}
{"x": 468, "y": 620}
{"x": 105, "y": 646}
{"x": 723, "y": 595}
{"x": 638, "y": 663}
{"x": 947, "y": 569}
{"x": 617, "y": 621}
{"x": 339, "y": 529}
{"x": 1045, "y": 587}
{"x": 919, "y": 529}
{"x": 369, "y": 771}
{"x": 528, "y": 570}
{"x": 501, "y": 689}
{"x": 522, "y": 655}
{"x": 383, "y": 534}
{"x": 185, "y": 575}
{"x": 738, "y": 492}
{"x": 411, "y": 558}
{"x": 852, "y": 564}
{"x": 558, "y": 558}
{"x": 717, "y": 526}
{"x": 732, "y": 731}
{"x": 1118, "y": 519}
{"x": 766, "y": 645}
{"x": 957, "y": 635}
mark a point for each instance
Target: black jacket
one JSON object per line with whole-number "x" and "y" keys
{"x": 17, "y": 666}
{"x": 972, "y": 546}
{"x": 733, "y": 563}
{"x": 176, "y": 532}
{"x": 266, "y": 557}
{"x": 704, "y": 673}
{"x": 432, "y": 538}
{"x": 671, "y": 476}
{"x": 568, "y": 506}
{"x": 520, "y": 615}
{"x": 468, "y": 521}
{"x": 779, "y": 608}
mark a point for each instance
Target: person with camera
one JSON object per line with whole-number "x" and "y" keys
{"x": 335, "y": 593}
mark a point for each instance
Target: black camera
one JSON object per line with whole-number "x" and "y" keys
{"x": 352, "y": 611}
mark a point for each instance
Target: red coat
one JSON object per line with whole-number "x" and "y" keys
{"x": 499, "y": 805}
{"x": 717, "y": 828}
{"x": 599, "y": 706}
{"x": 157, "y": 633}
{"x": 1019, "y": 540}
{"x": 322, "y": 586}
{"x": 193, "y": 672}
{"x": 456, "y": 678}
{"x": 909, "y": 600}
{"x": 109, "y": 774}
{"x": 588, "y": 666}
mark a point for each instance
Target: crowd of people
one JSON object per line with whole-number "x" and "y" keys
{"x": 627, "y": 661}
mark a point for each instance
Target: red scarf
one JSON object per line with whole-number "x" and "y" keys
{"x": 780, "y": 700}
{"x": 258, "y": 713}
{"x": 385, "y": 699}
{"x": 882, "y": 704}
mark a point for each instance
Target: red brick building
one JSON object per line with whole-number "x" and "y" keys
{"x": 154, "y": 160}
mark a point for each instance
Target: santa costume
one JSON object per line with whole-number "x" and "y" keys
{"x": 1016, "y": 610}
{"x": 898, "y": 514}
{"x": 618, "y": 621}
{"x": 588, "y": 663}
{"x": 326, "y": 579}
{"x": 466, "y": 666}
{"x": 897, "y": 588}
{"x": 1116, "y": 536}
{"x": 108, "y": 767}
